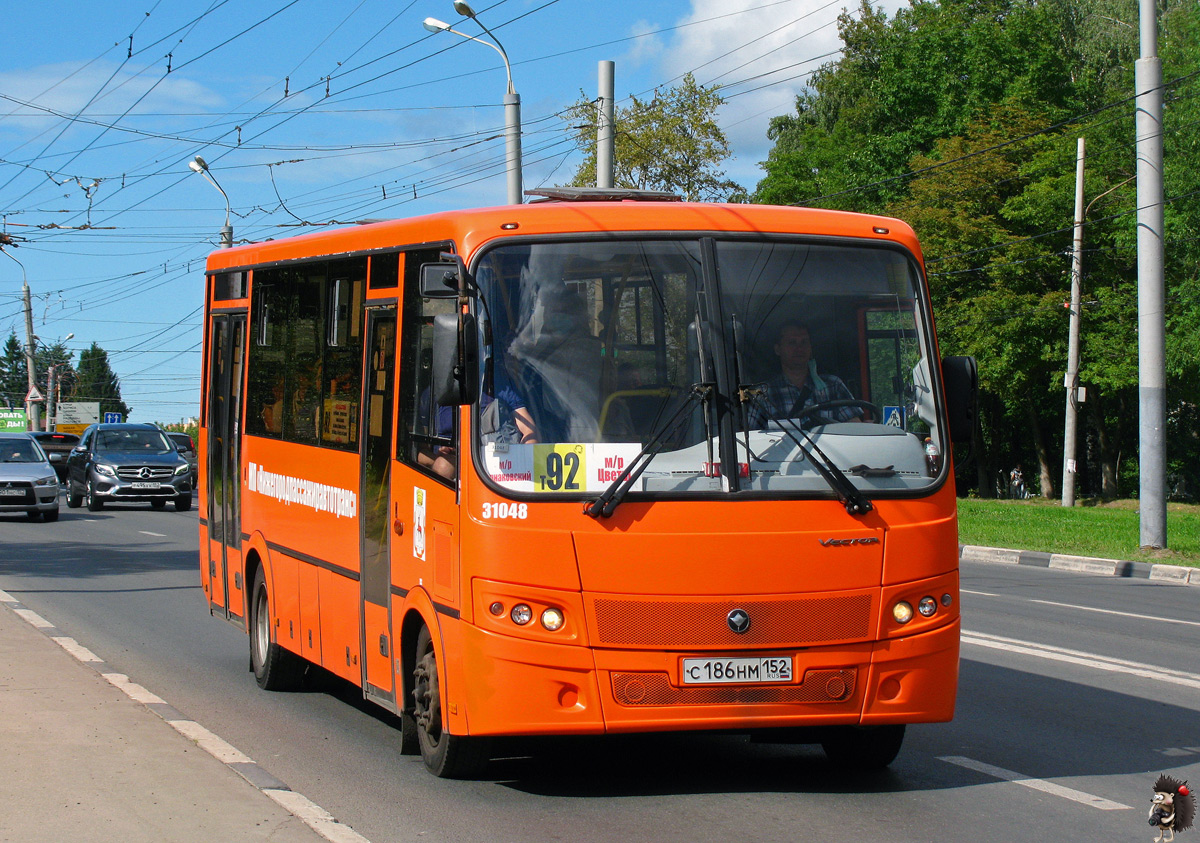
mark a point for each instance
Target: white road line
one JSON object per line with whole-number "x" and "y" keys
{"x": 148, "y": 533}
{"x": 315, "y": 817}
{"x": 34, "y": 619}
{"x": 1078, "y": 657}
{"x": 1036, "y": 784}
{"x": 980, "y": 593}
{"x": 76, "y": 649}
{"x": 1115, "y": 612}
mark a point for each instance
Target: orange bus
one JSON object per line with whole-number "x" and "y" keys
{"x": 600, "y": 463}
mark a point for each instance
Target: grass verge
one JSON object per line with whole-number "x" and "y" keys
{"x": 1106, "y": 530}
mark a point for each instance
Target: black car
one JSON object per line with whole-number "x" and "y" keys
{"x": 58, "y": 447}
{"x": 119, "y": 463}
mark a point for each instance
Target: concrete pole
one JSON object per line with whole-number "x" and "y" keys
{"x": 512, "y": 145}
{"x": 31, "y": 407}
{"x": 1152, "y": 392}
{"x": 605, "y": 135}
{"x": 1071, "y": 382}
{"x": 51, "y": 405}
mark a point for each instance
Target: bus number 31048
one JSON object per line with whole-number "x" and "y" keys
{"x": 505, "y": 510}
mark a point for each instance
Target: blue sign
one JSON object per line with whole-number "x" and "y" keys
{"x": 112, "y": 418}
{"x": 893, "y": 416}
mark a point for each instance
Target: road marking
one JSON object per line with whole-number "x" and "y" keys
{"x": 1115, "y": 612}
{"x": 980, "y": 593}
{"x": 1093, "y": 660}
{"x": 1036, "y": 784}
{"x": 148, "y": 533}
{"x": 300, "y": 806}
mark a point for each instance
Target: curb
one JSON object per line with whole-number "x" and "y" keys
{"x": 1177, "y": 574}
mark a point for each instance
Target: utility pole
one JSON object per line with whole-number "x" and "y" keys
{"x": 1152, "y": 387}
{"x": 51, "y": 404}
{"x": 605, "y": 131}
{"x": 1072, "y": 379}
{"x": 31, "y": 407}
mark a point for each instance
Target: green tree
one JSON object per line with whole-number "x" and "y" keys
{"x": 14, "y": 382}
{"x": 671, "y": 142}
{"x": 96, "y": 381}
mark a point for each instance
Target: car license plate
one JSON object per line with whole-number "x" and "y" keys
{"x": 12, "y": 493}
{"x": 736, "y": 671}
{"x": 138, "y": 485}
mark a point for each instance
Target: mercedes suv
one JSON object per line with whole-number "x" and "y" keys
{"x": 125, "y": 463}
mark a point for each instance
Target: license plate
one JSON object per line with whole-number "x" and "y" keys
{"x": 12, "y": 493}
{"x": 144, "y": 485}
{"x": 736, "y": 671}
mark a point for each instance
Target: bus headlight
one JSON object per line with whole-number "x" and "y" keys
{"x": 521, "y": 614}
{"x": 552, "y": 619}
{"x": 902, "y": 612}
{"x": 927, "y": 607}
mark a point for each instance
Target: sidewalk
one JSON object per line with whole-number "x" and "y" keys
{"x": 81, "y": 759}
{"x": 1177, "y": 574}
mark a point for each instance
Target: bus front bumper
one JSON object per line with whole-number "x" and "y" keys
{"x": 512, "y": 686}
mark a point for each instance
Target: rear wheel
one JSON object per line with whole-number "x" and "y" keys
{"x": 275, "y": 668}
{"x": 445, "y": 755}
{"x": 94, "y": 504}
{"x": 862, "y": 748}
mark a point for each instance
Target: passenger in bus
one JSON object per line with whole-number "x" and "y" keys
{"x": 306, "y": 416}
{"x": 272, "y": 412}
{"x": 798, "y": 384}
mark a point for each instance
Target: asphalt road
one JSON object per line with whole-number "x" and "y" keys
{"x": 1076, "y": 692}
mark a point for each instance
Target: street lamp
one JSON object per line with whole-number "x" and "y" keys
{"x": 512, "y": 100}
{"x": 52, "y": 390}
{"x": 199, "y": 165}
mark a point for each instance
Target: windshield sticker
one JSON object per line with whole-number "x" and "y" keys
{"x": 419, "y": 523}
{"x": 320, "y": 497}
{"x": 560, "y": 466}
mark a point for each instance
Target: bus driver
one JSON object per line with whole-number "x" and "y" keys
{"x": 798, "y": 385}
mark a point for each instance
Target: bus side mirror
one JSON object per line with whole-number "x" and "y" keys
{"x": 960, "y": 376}
{"x": 455, "y": 360}
{"x": 439, "y": 280}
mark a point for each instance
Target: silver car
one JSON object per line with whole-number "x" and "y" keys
{"x": 27, "y": 481}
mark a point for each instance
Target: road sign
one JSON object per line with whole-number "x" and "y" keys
{"x": 893, "y": 416}
{"x": 34, "y": 395}
{"x": 112, "y": 418}
{"x": 75, "y": 416}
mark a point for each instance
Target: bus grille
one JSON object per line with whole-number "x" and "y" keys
{"x": 819, "y": 686}
{"x": 805, "y": 621}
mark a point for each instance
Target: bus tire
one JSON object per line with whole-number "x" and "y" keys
{"x": 445, "y": 755}
{"x": 863, "y": 748}
{"x": 275, "y": 668}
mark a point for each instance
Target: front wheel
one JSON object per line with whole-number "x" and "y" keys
{"x": 275, "y": 668}
{"x": 158, "y": 504}
{"x": 445, "y": 755}
{"x": 183, "y": 502}
{"x": 863, "y": 748}
{"x": 94, "y": 503}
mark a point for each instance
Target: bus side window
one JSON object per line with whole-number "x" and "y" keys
{"x": 428, "y": 436}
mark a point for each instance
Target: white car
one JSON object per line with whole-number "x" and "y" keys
{"x": 27, "y": 480}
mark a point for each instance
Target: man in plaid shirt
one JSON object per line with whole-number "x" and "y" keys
{"x": 798, "y": 385}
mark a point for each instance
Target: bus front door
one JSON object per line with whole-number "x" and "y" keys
{"x": 375, "y": 502}
{"x": 226, "y": 352}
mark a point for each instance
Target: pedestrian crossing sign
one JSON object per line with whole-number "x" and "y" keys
{"x": 893, "y": 416}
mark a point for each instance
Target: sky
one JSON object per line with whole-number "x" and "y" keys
{"x": 312, "y": 114}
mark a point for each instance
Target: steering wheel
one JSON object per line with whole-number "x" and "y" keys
{"x": 814, "y": 409}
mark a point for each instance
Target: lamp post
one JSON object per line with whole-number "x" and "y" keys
{"x": 199, "y": 165}
{"x": 512, "y": 100}
{"x": 53, "y": 387}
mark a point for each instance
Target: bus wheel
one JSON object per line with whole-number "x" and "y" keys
{"x": 275, "y": 668}
{"x": 445, "y": 755}
{"x": 862, "y": 748}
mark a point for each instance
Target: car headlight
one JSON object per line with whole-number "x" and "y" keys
{"x": 181, "y": 470}
{"x": 106, "y": 470}
{"x": 46, "y": 481}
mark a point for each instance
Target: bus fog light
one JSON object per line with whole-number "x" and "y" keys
{"x": 521, "y": 614}
{"x": 552, "y": 619}
{"x": 496, "y": 608}
{"x": 927, "y": 607}
{"x": 947, "y": 599}
{"x": 902, "y": 612}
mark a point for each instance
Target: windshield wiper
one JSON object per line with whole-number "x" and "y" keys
{"x": 611, "y": 497}
{"x": 855, "y": 501}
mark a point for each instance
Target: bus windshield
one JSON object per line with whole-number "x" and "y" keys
{"x": 761, "y": 355}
